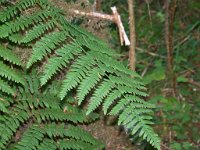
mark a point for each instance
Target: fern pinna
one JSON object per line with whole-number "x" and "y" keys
{"x": 38, "y": 120}
{"x": 8, "y": 61}
{"x": 91, "y": 66}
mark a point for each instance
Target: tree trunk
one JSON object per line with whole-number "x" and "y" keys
{"x": 132, "y": 58}
{"x": 169, "y": 22}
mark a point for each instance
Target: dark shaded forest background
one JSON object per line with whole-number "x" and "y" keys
{"x": 174, "y": 89}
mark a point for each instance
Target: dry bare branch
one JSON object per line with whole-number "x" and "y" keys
{"x": 115, "y": 17}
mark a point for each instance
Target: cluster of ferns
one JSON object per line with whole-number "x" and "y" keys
{"x": 40, "y": 100}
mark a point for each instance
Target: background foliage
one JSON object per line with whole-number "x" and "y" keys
{"x": 177, "y": 117}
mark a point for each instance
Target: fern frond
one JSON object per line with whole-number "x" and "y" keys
{"x": 9, "y": 124}
{"x": 127, "y": 81}
{"x": 55, "y": 64}
{"x": 45, "y": 46}
{"x": 148, "y": 134}
{"x": 31, "y": 138}
{"x": 43, "y": 120}
{"x": 74, "y": 132}
{"x": 15, "y": 37}
{"x": 7, "y": 55}
{"x": 77, "y": 145}
{"x": 11, "y": 11}
{"x": 79, "y": 69}
{"x": 102, "y": 48}
{"x": 110, "y": 99}
{"x": 134, "y": 112}
{"x": 41, "y": 101}
{"x": 110, "y": 62}
{"x": 23, "y": 22}
{"x": 47, "y": 144}
{"x": 137, "y": 122}
{"x": 37, "y": 31}
{"x": 2, "y": 1}
{"x": 53, "y": 130}
{"x": 6, "y": 88}
{"x": 89, "y": 82}
{"x": 4, "y": 104}
{"x": 140, "y": 124}
{"x": 32, "y": 34}
{"x": 124, "y": 102}
{"x": 8, "y": 73}
{"x": 88, "y": 118}
{"x": 99, "y": 95}
{"x": 59, "y": 115}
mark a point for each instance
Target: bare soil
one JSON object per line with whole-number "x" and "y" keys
{"x": 111, "y": 135}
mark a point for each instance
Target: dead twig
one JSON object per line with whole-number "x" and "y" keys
{"x": 122, "y": 33}
{"x": 149, "y": 12}
{"x": 166, "y": 147}
{"x": 115, "y": 17}
{"x": 93, "y": 14}
{"x": 97, "y": 5}
{"x": 182, "y": 42}
{"x": 147, "y": 68}
{"x": 149, "y": 53}
{"x": 193, "y": 83}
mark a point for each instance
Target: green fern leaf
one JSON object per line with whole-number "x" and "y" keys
{"x": 8, "y": 73}
{"x": 99, "y": 95}
{"x": 58, "y": 115}
{"x": 13, "y": 10}
{"x": 126, "y": 89}
{"x": 2, "y": 1}
{"x": 97, "y": 46}
{"x": 80, "y": 134}
{"x": 37, "y": 31}
{"x": 47, "y": 144}
{"x": 30, "y": 138}
{"x": 77, "y": 145}
{"x": 6, "y": 88}
{"x": 55, "y": 64}
{"x": 9, "y": 56}
{"x": 110, "y": 99}
{"x": 15, "y": 37}
{"x": 88, "y": 83}
{"x": 45, "y": 46}
{"x": 10, "y": 124}
{"x": 127, "y": 81}
{"x": 54, "y": 130}
{"x": 78, "y": 72}
{"x": 124, "y": 102}
{"x": 110, "y": 62}
{"x": 22, "y": 22}
{"x": 4, "y": 104}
